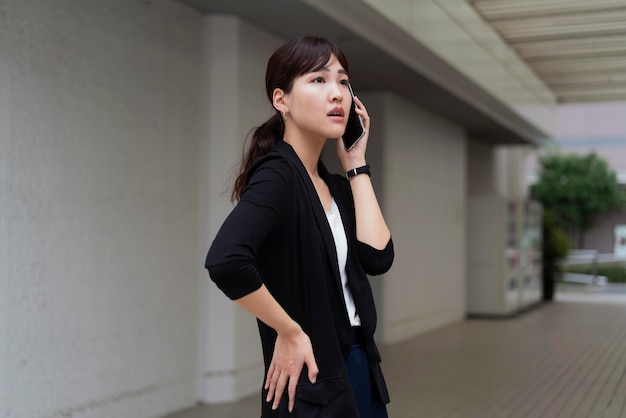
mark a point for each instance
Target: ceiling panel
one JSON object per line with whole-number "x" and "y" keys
{"x": 597, "y": 79}
{"x": 577, "y": 47}
{"x": 511, "y": 9}
{"x": 590, "y": 46}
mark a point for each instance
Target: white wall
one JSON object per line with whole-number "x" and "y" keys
{"x": 99, "y": 142}
{"x": 424, "y": 201}
{"x": 235, "y": 58}
{"x": 4, "y": 233}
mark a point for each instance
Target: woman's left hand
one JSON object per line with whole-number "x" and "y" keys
{"x": 356, "y": 156}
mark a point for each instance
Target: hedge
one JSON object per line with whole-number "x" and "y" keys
{"x": 614, "y": 272}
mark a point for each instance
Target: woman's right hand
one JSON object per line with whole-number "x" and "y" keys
{"x": 292, "y": 349}
{"x": 291, "y": 352}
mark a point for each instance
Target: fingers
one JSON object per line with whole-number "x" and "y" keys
{"x": 291, "y": 390}
{"x": 286, "y": 366}
{"x": 280, "y": 389}
{"x": 273, "y": 374}
{"x": 270, "y": 373}
{"x": 294, "y": 377}
{"x": 312, "y": 366}
{"x": 277, "y": 385}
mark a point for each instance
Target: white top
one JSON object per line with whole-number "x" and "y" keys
{"x": 341, "y": 243}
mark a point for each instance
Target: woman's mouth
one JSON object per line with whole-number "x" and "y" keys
{"x": 336, "y": 113}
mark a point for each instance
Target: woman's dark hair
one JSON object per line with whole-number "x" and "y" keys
{"x": 293, "y": 59}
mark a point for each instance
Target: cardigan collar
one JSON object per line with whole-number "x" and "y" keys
{"x": 287, "y": 151}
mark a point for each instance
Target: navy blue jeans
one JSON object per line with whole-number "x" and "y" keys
{"x": 368, "y": 401}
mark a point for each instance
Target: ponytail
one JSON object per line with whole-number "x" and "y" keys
{"x": 263, "y": 139}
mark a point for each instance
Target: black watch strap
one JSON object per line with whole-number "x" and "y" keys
{"x": 365, "y": 169}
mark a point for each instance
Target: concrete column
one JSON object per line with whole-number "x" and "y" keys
{"x": 4, "y": 216}
{"x": 512, "y": 170}
{"x": 497, "y": 170}
{"x": 99, "y": 133}
{"x": 424, "y": 202}
{"x": 234, "y": 57}
{"x": 481, "y": 169}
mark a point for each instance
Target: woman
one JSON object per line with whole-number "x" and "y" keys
{"x": 296, "y": 249}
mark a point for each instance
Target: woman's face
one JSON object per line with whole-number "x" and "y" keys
{"x": 319, "y": 102}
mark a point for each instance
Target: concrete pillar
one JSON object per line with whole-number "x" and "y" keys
{"x": 423, "y": 196}
{"x": 512, "y": 170}
{"x": 234, "y": 57}
{"x": 481, "y": 169}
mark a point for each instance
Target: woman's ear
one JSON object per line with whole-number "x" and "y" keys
{"x": 278, "y": 101}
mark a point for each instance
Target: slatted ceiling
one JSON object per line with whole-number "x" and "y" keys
{"x": 573, "y": 48}
{"x": 598, "y": 79}
{"x": 604, "y": 94}
{"x": 587, "y": 65}
{"x": 511, "y": 9}
{"x": 578, "y": 47}
{"x": 605, "y": 91}
{"x": 586, "y": 96}
{"x": 538, "y": 29}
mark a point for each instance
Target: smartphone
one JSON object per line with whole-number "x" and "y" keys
{"x": 355, "y": 128}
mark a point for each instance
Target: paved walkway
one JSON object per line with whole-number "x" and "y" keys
{"x": 563, "y": 359}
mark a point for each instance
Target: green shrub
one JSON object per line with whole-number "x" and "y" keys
{"x": 614, "y": 272}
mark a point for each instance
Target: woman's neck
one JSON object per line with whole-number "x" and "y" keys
{"x": 307, "y": 149}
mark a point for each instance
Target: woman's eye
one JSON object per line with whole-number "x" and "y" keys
{"x": 344, "y": 82}
{"x": 318, "y": 79}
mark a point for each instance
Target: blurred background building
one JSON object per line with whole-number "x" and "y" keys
{"x": 598, "y": 127}
{"x": 121, "y": 122}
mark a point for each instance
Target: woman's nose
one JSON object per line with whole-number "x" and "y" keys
{"x": 336, "y": 94}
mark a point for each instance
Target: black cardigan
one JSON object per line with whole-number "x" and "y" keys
{"x": 278, "y": 235}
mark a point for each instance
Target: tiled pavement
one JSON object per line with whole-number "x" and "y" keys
{"x": 563, "y": 359}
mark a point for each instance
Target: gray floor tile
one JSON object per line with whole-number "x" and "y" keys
{"x": 563, "y": 359}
